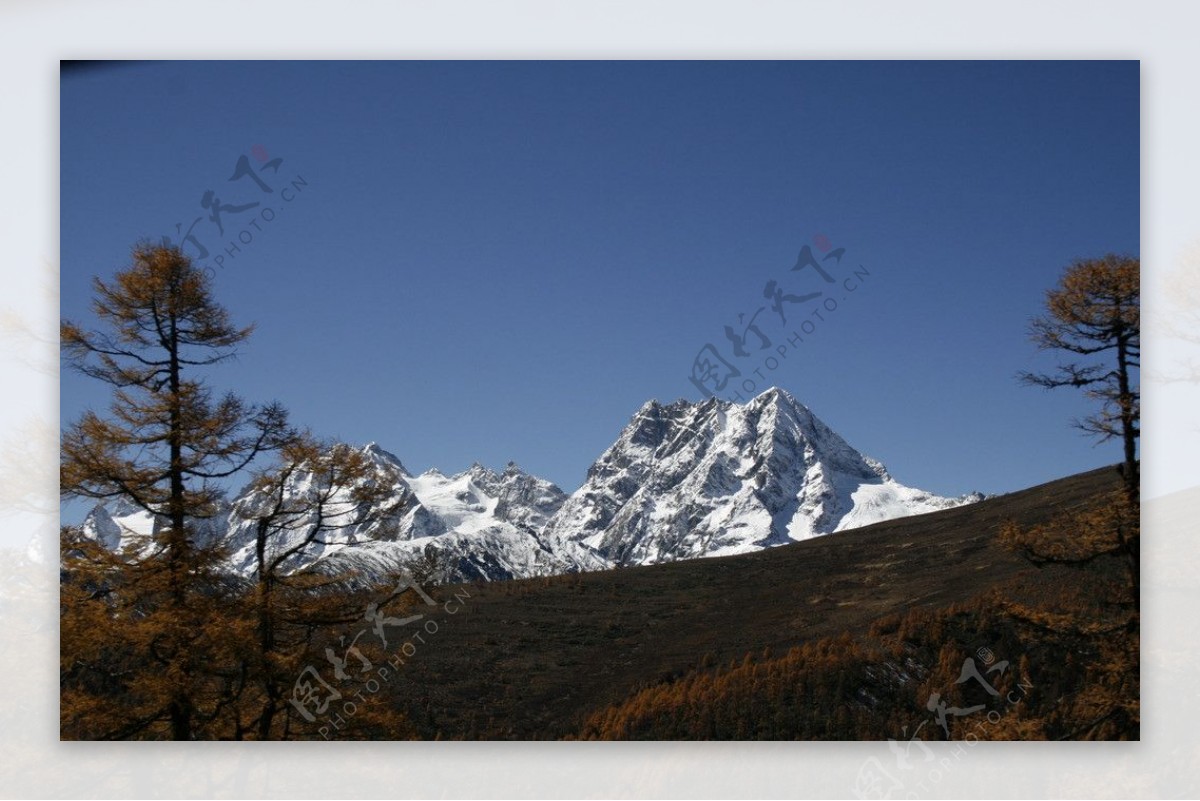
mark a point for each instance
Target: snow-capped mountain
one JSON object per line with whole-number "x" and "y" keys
{"x": 714, "y": 478}
{"x": 122, "y": 525}
{"x": 475, "y": 524}
{"x": 682, "y": 481}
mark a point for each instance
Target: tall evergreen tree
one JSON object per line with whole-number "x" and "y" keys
{"x": 1093, "y": 316}
{"x": 165, "y": 447}
{"x": 1095, "y": 313}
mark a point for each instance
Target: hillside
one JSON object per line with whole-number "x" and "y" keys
{"x": 533, "y": 659}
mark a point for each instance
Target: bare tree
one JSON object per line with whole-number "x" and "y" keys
{"x": 316, "y": 489}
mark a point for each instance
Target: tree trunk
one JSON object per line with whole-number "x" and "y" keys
{"x": 266, "y": 636}
{"x": 1130, "y": 544}
{"x": 181, "y": 707}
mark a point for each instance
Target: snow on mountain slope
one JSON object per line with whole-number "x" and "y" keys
{"x": 115, "y": 527}
{"x": 346, "y": 521}
{"x": 682, "y": 481}
{"x": 485, "y": 525}
{"x": 492, "y": 554}
{"x": 714, "y": 478}
{"x": 121, "y": 525}
{"x": 477, "y": 524}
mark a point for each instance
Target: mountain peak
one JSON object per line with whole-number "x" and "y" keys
{"x": 478, "y": 470}
{"x": 775, "y": 395}
{"x": 714, "y": 477}
{"x": 648, "y": 409}
{"x": 380, "y": 455}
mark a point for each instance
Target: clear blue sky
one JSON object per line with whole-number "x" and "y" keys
{"x": 503, "y": 261}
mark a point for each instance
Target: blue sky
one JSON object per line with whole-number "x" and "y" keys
{"x": 501, "y": 261}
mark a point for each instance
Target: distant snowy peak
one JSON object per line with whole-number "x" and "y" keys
{"x": 101, "y": 526}
{"x": 476, "y": 524}
{"x": 382, "y": 457}
{"x": 122, "y": 525}
{"x": 527, "y": 501}
{"x": 685, "y": 480}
